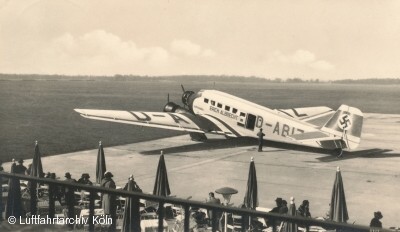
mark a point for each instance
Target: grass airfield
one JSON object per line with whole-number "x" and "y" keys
{"x": 370, "y": 174}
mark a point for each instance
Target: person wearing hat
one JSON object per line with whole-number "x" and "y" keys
{"x": 85, "y": 179}
{"x": 260, "y": 139}
{"x": 20, "y": 168}
{"x": 277, "y": 209}
{"x": 109, "y": 201}
{"x": 279, "y": 202}
{"x": 284, "y": 209}
{"x": 375, "y": 222}
{"x": 304, "y": 209}
{"x": 136, "y": 187}
{"x": 69, "y": 197}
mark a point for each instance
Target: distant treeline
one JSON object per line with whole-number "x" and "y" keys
{"x": 181, "y": 78}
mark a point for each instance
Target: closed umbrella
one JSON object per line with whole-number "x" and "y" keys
{"x": 161, "y": 185}
{"x": 100, "y": 164}
{"x": 131, "y": 220}
{"x": 251, "y": 197}
{"x": 338, "y": 210}
{"x": 14, "y": 207}
{"x": 37, "y": 169}
{"x": 291, "y": 226}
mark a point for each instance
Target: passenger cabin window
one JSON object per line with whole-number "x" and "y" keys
{"x": 227, "y": 108}
{"x": 213, "y": 103}
{"x": 234, "y": 110}
{"x": 219, "y": 105}
{"x": 241, "y": 119}
{"x": 205, "y": 100}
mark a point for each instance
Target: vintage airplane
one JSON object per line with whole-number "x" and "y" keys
{"x": 212, "y": 111}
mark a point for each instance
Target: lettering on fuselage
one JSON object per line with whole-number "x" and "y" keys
{"x": 224, "y": 113}
{"x": 284, "y": 130}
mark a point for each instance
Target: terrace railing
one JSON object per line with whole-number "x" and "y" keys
{"x": 186, "y": 205}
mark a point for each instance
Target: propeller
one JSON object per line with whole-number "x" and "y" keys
{"x": 168, "y": 98}
{"x": 183, "y": 89}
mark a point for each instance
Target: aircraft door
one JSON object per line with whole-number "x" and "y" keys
{"x": 251, "y": 121}
{"x": 259, "y": 122}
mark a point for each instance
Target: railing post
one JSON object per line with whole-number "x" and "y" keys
{"x": 244, "y": 224}
{"x": 160, "y": 216}
{"x": 187, "y": 217}
{"x": 1, "y": 198}
{"x": 273, "y": 224}
{"x": 91, "y": 210}
{"x": 32, "y": 189}
{"x": 214, "y": 219}
{"x": 51, "y": 201}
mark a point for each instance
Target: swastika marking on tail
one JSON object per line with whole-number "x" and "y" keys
{"x": 345, "y": 122}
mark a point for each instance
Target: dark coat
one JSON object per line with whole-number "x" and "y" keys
{"x": 375, "y": 223}
{"x": 109, "y": 204}
{"x": 20, "y": 169}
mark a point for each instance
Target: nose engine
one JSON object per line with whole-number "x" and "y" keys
{"x": 187, "y": 100}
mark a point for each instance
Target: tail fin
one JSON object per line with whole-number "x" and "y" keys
{"x": 346, "y": 123}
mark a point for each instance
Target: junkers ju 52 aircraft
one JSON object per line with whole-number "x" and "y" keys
{"x": 212, "y": 111}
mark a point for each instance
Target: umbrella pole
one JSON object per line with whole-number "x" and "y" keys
{"x": 225, "y": 221}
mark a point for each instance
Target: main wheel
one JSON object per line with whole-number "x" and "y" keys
{"x": 339, "y": 152}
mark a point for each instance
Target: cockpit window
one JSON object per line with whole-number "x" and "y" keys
{"x": 227, "y": 108}
{"x": 234, "y": 110}
{"x": 219, "y": 105}
{"x": 205, "y": 100}
{"x": 242, "y": 114}
{"x": 213, "y": 103}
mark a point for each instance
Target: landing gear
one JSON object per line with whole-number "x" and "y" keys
{"x": 339, "y": 152}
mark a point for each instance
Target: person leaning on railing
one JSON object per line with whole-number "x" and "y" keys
{"x": 109, "y": 201}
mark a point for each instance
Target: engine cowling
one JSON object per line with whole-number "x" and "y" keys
{"x": 175, "y": 108}
{"x": 188, "y": 98}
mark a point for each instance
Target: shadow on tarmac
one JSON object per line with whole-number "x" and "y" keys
{"x": 368, "y": 153}
{"x": 210, "y": 144}
{"x": 331, "y": 156}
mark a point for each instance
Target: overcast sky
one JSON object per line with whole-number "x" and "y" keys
{"x": 307, "y": 39}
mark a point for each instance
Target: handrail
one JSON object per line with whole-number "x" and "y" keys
{"x": 188, "y": 203}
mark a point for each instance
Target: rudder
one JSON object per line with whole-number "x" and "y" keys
{"x": 346, "y": 123}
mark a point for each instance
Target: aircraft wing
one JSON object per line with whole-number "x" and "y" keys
{"x": 316, "y": 116}
{"x": 173, "y": 121}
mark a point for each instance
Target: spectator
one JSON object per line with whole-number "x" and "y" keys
{"x": 260, "y": 140}
{"x": 277, "y": 209}
{"x": 109, "y": 203}
{"x": 1, "y": 166}
{"x": 48, "y": 175}
{"x": 20, "y": 168}
{"x": 213, "y": 200}
{"x": 375, "y": 222}
{"x": 279, "y": 203}
{"x": 69, "y": 197}
{"x": 57, "y": 191}
{"x": 136, "y": 187}
{"x": 304, "y": 209}
{"x": 284, "y": 209}
{"x": 28, "y": 171}
{"x": 85, "y": 179}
